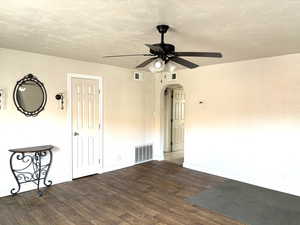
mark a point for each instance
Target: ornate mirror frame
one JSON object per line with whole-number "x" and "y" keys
{"x": 32, "y": 78}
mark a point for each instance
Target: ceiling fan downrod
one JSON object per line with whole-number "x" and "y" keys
{"x": 162, "y": 29}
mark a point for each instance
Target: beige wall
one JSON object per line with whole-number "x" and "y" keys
{"x": 127, "y": 117}
{"x": 247, "y": 129}
{"x": 249, "y": 125}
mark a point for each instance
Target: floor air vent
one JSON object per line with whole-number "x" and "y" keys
{"x": 143, "y": 153}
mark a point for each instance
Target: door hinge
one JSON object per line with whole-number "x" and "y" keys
{"x": 99, "y": 126}
{"x": 99, "y": 91}
{"x": 99, "y": 161}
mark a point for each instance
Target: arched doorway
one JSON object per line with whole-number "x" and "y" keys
{"x": 172, "y": 118}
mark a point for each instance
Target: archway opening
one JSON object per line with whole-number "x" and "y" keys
{"x": 172, "y": 121}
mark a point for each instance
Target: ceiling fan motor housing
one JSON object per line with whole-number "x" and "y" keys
{"x": 168, "y": 49}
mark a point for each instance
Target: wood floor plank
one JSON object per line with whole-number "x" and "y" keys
{"x": 147, "y": 194}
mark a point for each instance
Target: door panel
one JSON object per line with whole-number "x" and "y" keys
{"x": 178, "y": 120}
{"x": 85, "y": 127}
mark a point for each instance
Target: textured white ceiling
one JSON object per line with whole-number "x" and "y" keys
{"x": 90, "y": 29}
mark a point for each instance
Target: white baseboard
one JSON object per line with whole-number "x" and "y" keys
{"x": 191, "y": 166}
{"x": 116, "y": 167}
{"x": 289, "y": 189}
{"x": 159, "y": 157}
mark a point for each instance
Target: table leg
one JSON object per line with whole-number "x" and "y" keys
{"x": 14, "y": 191}
{"x": 48, "y": 183}
{"x": 39, "y": 164}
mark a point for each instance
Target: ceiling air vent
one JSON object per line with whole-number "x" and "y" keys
{"x": 137, "y": 75}
{"x": 171, "y": 76}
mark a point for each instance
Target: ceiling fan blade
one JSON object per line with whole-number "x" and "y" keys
{"x": 200, "y": 54}
{"x": 143, "y": 64}
{"x": 184, "y": 62}
{"x": 155, "y": 48}
{"x": 110, "y": 56}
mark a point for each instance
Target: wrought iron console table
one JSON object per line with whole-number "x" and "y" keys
{"x": 31, "y": 165}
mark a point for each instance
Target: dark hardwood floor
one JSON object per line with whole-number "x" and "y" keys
{"x": 150, "y": 193}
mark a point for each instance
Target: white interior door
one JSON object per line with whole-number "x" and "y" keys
{"x": 178, "y": 120}
{"x": 85, "y": 126}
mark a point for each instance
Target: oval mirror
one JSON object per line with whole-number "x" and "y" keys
{"x": 30, "y": 95}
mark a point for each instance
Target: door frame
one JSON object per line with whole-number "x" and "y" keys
{"x": 69, "y": 115}
{"x": 162, "y": 122}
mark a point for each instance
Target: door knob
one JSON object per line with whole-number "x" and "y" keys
{"x": 76, "y": 134}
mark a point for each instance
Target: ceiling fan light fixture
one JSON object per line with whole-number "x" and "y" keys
{"x": 152, "y": 69}
{"x": 170, "y": 67}
{"x": 157, "y": 66}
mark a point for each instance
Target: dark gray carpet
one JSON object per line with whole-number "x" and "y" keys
{"x": 250, "y": 204}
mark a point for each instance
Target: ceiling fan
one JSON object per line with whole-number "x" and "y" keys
{"x": 162, "y": 53}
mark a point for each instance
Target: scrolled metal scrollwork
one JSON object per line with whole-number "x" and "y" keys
{"x": 36, "y": 168}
